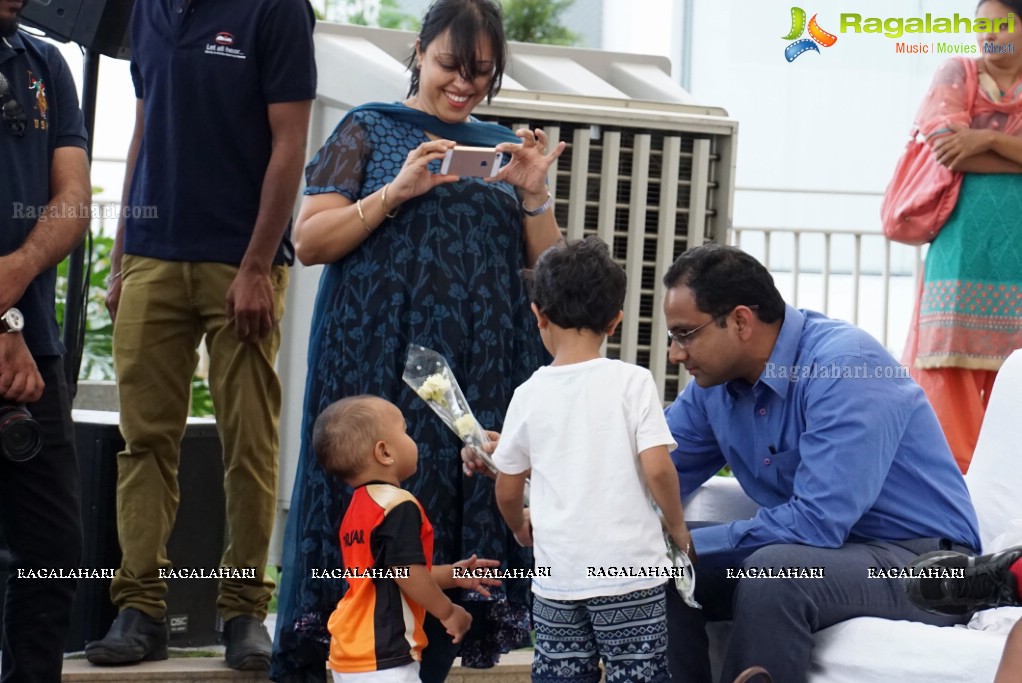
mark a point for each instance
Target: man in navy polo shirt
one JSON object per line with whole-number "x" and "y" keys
{"x": 44, "y": 211}
{"x": 224, "y": 94}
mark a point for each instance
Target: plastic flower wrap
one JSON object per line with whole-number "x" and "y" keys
{"x": 685, "y": 581}
{"x": 428, "y": 373}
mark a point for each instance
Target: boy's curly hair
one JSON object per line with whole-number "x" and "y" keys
{"x": 578, "y": 285}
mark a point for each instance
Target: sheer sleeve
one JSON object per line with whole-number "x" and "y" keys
{"x": 339, "y": 165}
{"x": 948, "y": 99}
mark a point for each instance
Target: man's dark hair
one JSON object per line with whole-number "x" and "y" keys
{"x": 468, "y": 20}
{"x": 578, "y": 285}
{"x": 722, "y": 277}
{"x": 345, "y": 433}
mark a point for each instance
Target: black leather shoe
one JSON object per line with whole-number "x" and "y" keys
{"x": 248, "y": 644}
{"x": 133, "y": 637}
{"x": 953, "y": 583}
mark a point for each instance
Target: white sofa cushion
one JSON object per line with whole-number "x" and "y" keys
{"x": 995, "y": 475}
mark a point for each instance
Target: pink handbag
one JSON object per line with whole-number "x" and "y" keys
{"x": 923, "y": 193}
{"x": 920, "y": 197}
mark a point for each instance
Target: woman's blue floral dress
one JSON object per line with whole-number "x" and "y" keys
{"x": 443, "y": 273}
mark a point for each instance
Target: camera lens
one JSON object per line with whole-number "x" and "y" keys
{"x": 21, "y": 438}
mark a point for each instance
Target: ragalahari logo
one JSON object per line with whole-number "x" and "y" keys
{"x": 816, "y": 35}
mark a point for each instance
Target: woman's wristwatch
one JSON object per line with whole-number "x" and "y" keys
{"x": 542, "y": 208}
{"x": 12, "y": 321}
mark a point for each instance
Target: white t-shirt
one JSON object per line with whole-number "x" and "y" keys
{"x": 581, "y": 428}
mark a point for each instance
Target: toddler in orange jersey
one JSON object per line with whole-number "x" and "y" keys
{"x": 376, "y": 633}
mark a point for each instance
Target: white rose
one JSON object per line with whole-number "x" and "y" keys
{"x": 465, "y": 426}
{"x": 435, "y": 388}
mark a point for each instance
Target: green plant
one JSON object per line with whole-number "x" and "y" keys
{"x": 385, "y": 13}
{"x": 97, "y": 353}
{"x": 537, "y": 21}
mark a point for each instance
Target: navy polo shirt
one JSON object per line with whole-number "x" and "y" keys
{"x": 206, "y": 70}
{"x": 41, "y": 82}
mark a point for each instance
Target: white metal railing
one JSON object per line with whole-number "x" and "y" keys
{"x": 104, "y": 217}
{"x": 868, "y": 267}
{"x": 860, "y": 271}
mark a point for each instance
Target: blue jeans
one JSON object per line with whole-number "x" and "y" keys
{"x": 775, "y": 619}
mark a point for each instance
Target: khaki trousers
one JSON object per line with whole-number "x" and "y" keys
{"x": 165, "y": 309}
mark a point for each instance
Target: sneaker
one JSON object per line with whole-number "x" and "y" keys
{"x": 133, "y": 637}
{"x": 986, "y": 583}
{"x": 248, "y": 644}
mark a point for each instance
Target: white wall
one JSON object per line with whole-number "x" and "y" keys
{"x": 834, "y": 120}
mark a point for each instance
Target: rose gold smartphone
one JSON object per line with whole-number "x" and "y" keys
{"x": 476, "y": 162}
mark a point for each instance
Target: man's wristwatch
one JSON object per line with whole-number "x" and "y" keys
{"x": 12, "y": 321}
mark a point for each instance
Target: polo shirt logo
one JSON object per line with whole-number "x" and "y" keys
{"x": 221, "y": 46}
{"x": 42, "y": 106}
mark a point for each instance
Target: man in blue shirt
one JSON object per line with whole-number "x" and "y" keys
{"x": 826, "y": 432}
{"x": 224, "y": 94}
{"x": 44, "y": 212}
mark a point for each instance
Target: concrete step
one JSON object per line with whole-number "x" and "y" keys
{"x": 513, "y": 668}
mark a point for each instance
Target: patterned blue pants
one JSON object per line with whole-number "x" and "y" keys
{"x": 629, "y": 632}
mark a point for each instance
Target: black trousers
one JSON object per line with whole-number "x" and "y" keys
{"x": 40, "y": 513}
{"x": 439, "y": 654}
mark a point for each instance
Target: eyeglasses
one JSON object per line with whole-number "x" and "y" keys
{"x": 684, "y": 339}
{"x": 10, "y": 109}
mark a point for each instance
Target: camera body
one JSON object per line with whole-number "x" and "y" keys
{"x": 21, "y": 437}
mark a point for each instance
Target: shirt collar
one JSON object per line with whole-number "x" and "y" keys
{"x": 15, "y": 41}
{"x": 11, "y": 46}
{"x": 784, "y": 353}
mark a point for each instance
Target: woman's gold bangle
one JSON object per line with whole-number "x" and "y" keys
{"x": 387, "y": 212}
{"x": 358, "y": 205}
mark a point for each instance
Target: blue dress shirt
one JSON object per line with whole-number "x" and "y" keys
{"x": 834, "y": 442}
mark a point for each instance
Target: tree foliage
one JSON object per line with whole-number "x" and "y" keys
{"x": 526, "y": 21}
{"x": 382, "y": 13}
{"x": 537, "y": 21}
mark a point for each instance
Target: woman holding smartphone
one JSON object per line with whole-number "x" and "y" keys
{"x": 416, "y": 256}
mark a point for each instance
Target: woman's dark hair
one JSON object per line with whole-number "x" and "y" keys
{"x": 578, "y": 286}
{"x": 467, "y": 21}
{"x": 722, "y": 277}
{"x": 1015, "y": 5}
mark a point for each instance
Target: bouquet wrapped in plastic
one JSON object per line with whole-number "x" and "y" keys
{"x": 685, "y": 578}
{"x": 428, "y": 373}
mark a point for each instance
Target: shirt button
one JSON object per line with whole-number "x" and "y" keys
{"x": 180, "y": 10}
{"x": 762, "y": 411}
{"x": 766, "y": 461}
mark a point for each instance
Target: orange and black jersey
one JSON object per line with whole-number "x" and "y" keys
{"x": 375, "y": 626}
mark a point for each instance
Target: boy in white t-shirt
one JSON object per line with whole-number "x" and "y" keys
{"x": 591, "y": 434}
